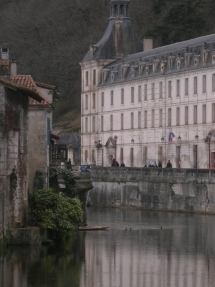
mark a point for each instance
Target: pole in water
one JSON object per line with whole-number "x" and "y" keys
{"x": 161, "y": 227}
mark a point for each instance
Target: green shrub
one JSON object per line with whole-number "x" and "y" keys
{"x": 55, "y": 211}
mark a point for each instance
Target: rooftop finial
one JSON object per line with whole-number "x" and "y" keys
{"x": 119, "y": 9}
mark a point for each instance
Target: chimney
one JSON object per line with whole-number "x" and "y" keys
{"x": 4, "y": 59}
{"x": 147, "y": 44}
{"x": 13, "y": 67}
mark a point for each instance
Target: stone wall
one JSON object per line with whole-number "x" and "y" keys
{"x": 186, "y": 190}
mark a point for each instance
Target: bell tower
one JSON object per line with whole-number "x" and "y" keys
{"x": 119, "y": 9}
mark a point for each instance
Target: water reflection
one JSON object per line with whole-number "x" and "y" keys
{"x": 134, "y": 252}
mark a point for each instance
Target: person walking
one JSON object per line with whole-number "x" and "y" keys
{"x": 159, "y": 164}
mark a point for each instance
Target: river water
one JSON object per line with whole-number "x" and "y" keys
{"x": 140, "y": 249}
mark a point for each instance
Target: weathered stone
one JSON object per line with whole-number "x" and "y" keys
{"x": 186, "y": 190}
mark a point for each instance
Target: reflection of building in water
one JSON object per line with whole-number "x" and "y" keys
{"x": 153, "y": 258}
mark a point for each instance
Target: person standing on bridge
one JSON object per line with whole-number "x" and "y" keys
{"x": 169, "y": 164}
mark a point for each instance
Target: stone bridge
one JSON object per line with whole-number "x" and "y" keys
{"x": 186, "y": 190}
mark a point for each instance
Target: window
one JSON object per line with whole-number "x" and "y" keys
{"x": 139, "y": 120}
{"x": 177, "y": 116}
{"x": 204, "y": 83}
{"x": 86, "y": 125}
{"x": 86, "y": 156}
{"x": 86, "y": 102}
{"x": 213, "y": 113}
{"x": 186, "y": 115}
{"x": 169, "y": 117}
{"x": 153, "y": 91}
{"x": 153, "y": 118}
{"x": 122, "y": 122}
{"x": 145, "y": 155}
{"x": 160, "y": 153}
{"x": 169, "y": 89}
{"x": 160, "y": 90}
{"x": 132, "y": 156}
{"x": 145, "y": 92}
{"x": 111, "y": 98}
{"x": 111, "y": 122}
{"x": 132, "y": 94}
{"x": 86, "y": 78}
{"x": 121, "y": 155}
{"x": 139, "y": 93}
{"x": 102, "y": 123}
{"x": 160, "y": 118}
{"x": 204, "y": 114}
{"x": 195, "y": 114}
{"x": 102, "y": 101}
{"x": 94, "y": 77}
{"x": 195, "y": 85}
{"x": 132, "y": 120}
{"x": 94, "y": 101}
{"x": 187, "y": 60}
{"x": 145, "y": 119}
{"x": 122, "y": 96}
{"x": 186, "y": 86}
{"x": 93, "y": 157}
{"x": 93, "y": 124}
{"x": 213, "y": 83}
{"x": 178, "y": 88}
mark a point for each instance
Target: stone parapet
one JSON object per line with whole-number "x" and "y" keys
{"x": 185, "y": 190}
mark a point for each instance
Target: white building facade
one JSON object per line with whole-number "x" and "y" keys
{"x": 149, "y": 106}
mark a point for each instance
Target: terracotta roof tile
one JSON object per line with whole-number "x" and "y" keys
{"x": 26, "y": 82}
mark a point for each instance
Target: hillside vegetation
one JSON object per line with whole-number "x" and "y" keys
{"x": 49, "y": 38}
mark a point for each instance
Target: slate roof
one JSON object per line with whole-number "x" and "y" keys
{"x": 106, "y": 47}
{"x": 26, "y": 84}
{"x": 193, "y": 47}
{"x": 71, "y": 140}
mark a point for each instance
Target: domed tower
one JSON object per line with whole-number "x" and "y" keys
{"x": 119, "y": 38}
{"x": 118, "y": 41}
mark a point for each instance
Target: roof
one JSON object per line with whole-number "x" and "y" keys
{"x": 71, "y": 140}
{"x": 109, "y": 47}
{"x": 26, "y": 84}
{"x": 131, "y": 63}
{"x": 45, "y": 86}
{"x": 54, "y": 136}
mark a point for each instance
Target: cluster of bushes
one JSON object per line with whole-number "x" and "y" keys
{"x": 54, "y": 210}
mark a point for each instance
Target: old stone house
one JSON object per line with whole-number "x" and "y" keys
{"x": 40, "y": 126}
{"x": 15, "y": 92}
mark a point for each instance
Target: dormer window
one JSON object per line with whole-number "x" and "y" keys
{"x": 163, "y": 65}
{"x": 124, "y": 70}
{"x": 213, "y": 57}
{"x": 155, "y": 65}
{"x": 196, "y": 60}
{"x": 105, "y": 73}
{"x": 141, "y": 67}
{"x": 134, "y": 71}
{"x": 205, "y": 56}
{"x": 113, "y": 75}
{"x": 179, "y": 61}
{"x": 187, "y": 59}
{"x": 171, "y": 62}
{"x": 147, "y": 69}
